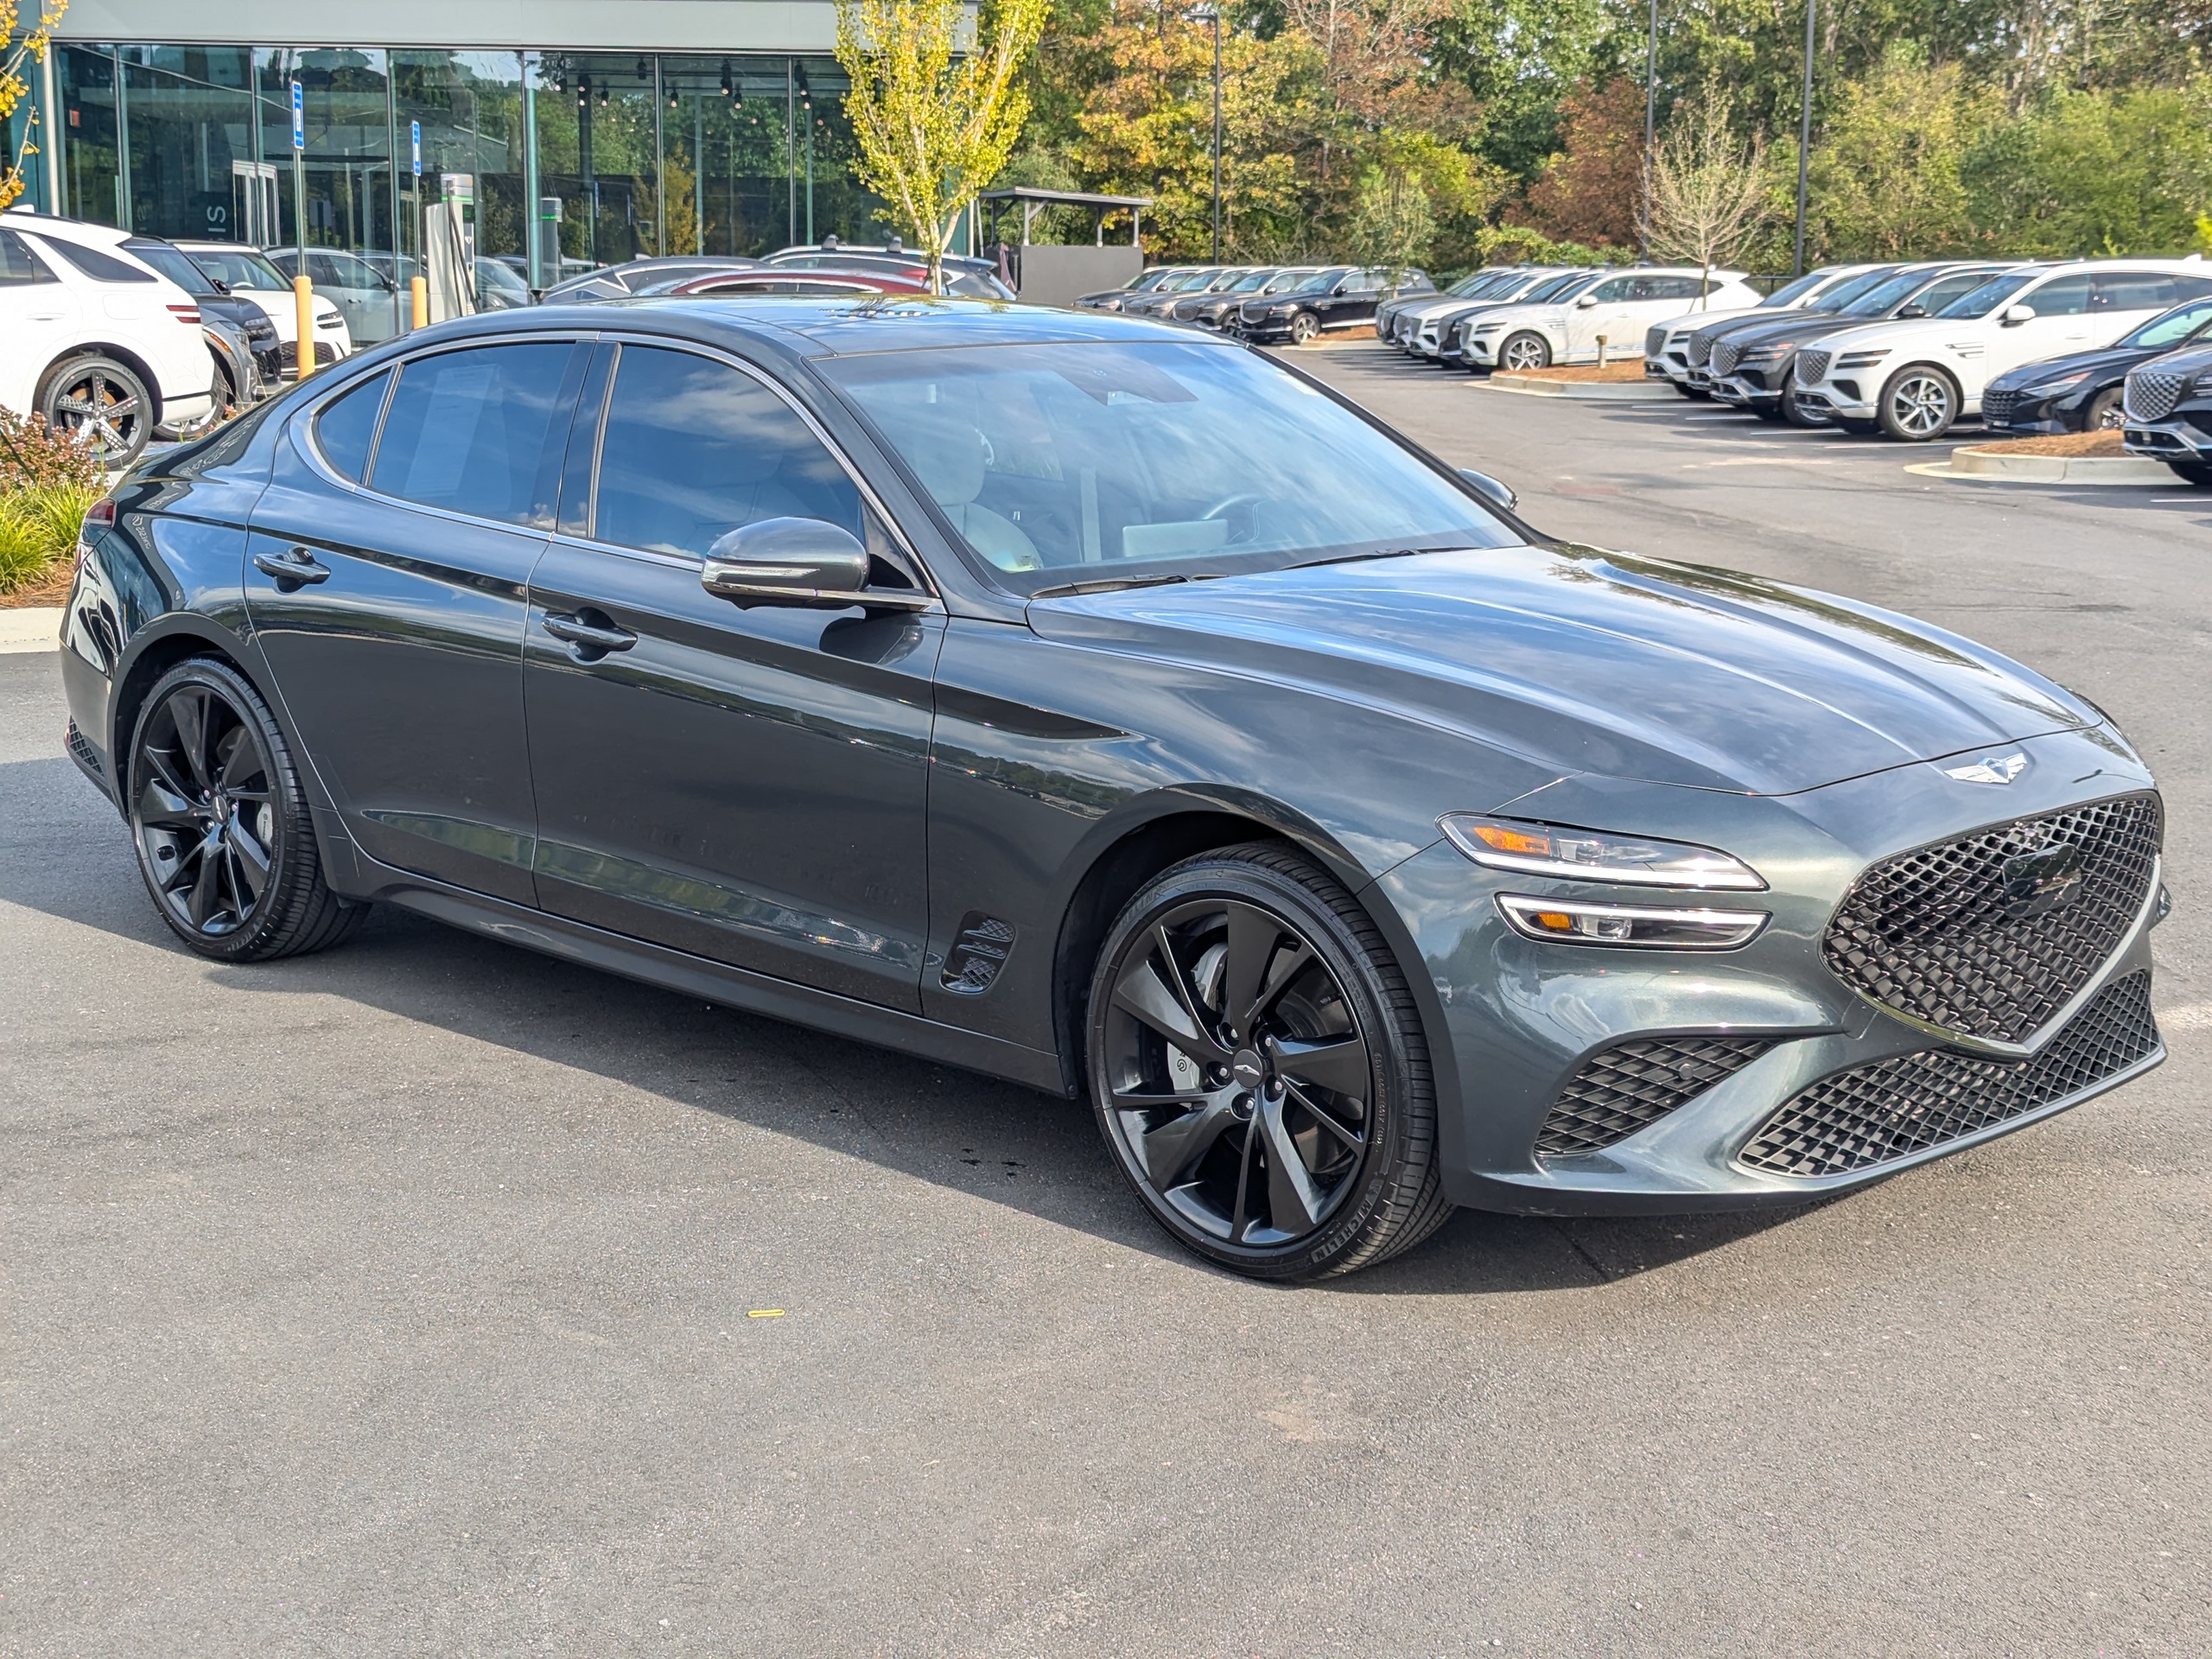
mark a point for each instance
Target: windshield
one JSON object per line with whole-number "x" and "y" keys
{"x": 1894, "y": 291}
{"x": 240, "y": 268}
{"x": 1790, "y": 293}
{"x": 1555, "y": 288}
{"x": 1115, "y": 461}
{"x": 2175, "y": 326}
{"x": 1982, "y": 301}
{"x": 1474, "y": 282}
{"x": 1188, "y": 280}
{"x": 1283, "y": 279}
{"x": 1319, "y": 279}
{"x": 1844, "y": 295}
{"x": 174, "y": 264}
{"x": 1251, "y": 280}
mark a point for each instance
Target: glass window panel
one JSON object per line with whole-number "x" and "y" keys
{"x": 694, "y": 448}
{"x": 344, "y": 428}
{"x": 470, "y": 105}
{"x": 2064, "y": 297}
{"x": 100, "y": 267}
{"x": 597, "y": 156}
{"x": 90, "y": 131}
{"x": 188, "y": 112}
{"x": 347, "y": 163}
{"x": 469, "y": 431}
{"x": 725, "y": 154}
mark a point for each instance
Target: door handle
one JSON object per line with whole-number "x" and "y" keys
{"x": 591, "y": 641}
{"x": 292, "y": 569}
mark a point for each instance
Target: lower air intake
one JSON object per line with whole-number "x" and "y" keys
{"x": 1876, "y": 1114}
{"x": 1630, "y": 1085}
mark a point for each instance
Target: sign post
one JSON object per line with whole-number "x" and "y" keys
{"x": 302, "y": 288}
{"x": 418, "y": 289}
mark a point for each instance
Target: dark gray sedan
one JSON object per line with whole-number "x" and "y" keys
{"x": 1105, "y": 706}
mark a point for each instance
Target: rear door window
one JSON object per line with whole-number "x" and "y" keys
{"x": 473, "y": 431}
{"x": 100, "y": 267}
{"x": 347, "y": 426}
{"x": 694, "y": 448}
{"x": 2134, "y": 290}
{"x": 2062, "y": 296}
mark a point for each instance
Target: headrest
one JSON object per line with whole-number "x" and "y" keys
{"x": 949, "y": 455}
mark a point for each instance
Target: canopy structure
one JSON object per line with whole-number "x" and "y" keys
{"x": 1031, "y": 199}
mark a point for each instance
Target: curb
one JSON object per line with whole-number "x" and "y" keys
{"x": 1997, "y": 466}
{"x": 1586, "y": 392}
{"x": 31, "y": 627}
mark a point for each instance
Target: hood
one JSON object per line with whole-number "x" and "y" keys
{"x": 1598, "y": 662}
{"x": 2114, "y": 361}
{"x": 1691, "y": 322}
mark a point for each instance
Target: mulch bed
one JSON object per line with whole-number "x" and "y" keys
{"x": 2060, "y": 443}
{"x": 50, "y": 590}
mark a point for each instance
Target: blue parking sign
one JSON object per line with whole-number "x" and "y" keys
{"x": 299, "y": 118}
{"x": 415, "y": 128}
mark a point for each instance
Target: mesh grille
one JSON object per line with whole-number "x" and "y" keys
{"x": 1655, "y": 340}
{"x": 2151, "y": 394}
{"x": 1989, "y": 935}
{"x": 1617, "y": 1093}
{"x": 1727, "y": 355}
{"x": 1892, "y": 1108}
{"x": 1997, "y": 407}
{"x": 1812, "y": 367}
{"x": 1700, "y": 349}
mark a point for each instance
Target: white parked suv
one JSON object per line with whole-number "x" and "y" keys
{"x": 1668, "y": 351}
{"x": 247, "y": 273}
{"x": 1913, "y": 379}
{"x": 94, "y": 340}
{"x": 1617, "y": 307}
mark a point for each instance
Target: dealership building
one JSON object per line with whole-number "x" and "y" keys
{"x": 578, "y": 131}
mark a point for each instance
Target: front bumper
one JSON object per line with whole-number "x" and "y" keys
{"x": 1832, "y": 401}
{"x": 2175, "y": 438}
{"x": 1746, "y": 389}
{"x": 1523, "y": 1019}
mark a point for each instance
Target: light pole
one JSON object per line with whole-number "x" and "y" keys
{"x": 1804, "y": 136}
{"x": 1650, "y": 131}
{"x": 1211, "y": 14}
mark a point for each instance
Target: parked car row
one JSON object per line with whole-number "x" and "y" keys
{"x": 1909, "y": 350}
{"x": 1533, "y": 317}
{"x": 1262, "y": 303}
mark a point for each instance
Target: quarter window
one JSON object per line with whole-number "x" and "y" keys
{"x": 100, "y": 267}
{"x": 18, "y": 264}
{"x": 2136, "y": 291}
{"x": 694, "y": 448}
{"x": 473, "y": 431}
{"x": 347, "y": 425}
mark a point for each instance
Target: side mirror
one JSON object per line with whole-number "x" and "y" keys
{"x": 1913, "y": 310}
{"x": 1585, "y": 301}
{"x": 1492, "y": 491}
{"x": 2016, "y": 315}
{"x": 219, "y": 286}
{"x": 799, "y": 561}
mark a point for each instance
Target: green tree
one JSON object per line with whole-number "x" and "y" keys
{"x": 2088, "y": 172}
{"x": 1885, "y": 171}
{"x": 18, "y": 52}
{"x": 1710, "y": 189}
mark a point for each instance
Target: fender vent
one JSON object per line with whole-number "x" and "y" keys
{"x": 979, "y": 950}
{"x": 87, "y": 756}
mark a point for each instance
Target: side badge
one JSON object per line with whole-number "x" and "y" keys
{"x": 1991, "y": 768}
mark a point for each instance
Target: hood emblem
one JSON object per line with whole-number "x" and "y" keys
{"x": 2039, "y": 882}
{"x": 1991, "y": 768}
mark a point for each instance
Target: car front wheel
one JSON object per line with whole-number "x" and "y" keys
{"x": 1259, "y": 1072}
{"x": 1919, "y": 404}
{"x": 2198, "y": 473}
{"x": 1303, "y": 328}
{"x": 2105, "y": 412}
{"x": 224, "y": 840}
{"x": 102, "y": 401}
{"x": 1525, "y": 351}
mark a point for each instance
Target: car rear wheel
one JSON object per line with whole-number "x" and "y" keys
{"x": 102, "y": 402}
{"x": 2105, "y": 412}
{"x": 224, "y": 840}
{"x": 1259, "y": 1070}
{"x": 2198, "y": 473}
{"x": 1303, "y": 328}
{"x": 1919, "y": 404}
{"x": 1525, "y": 351}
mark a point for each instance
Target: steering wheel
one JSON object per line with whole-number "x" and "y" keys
{"x": 1245, "y": 500}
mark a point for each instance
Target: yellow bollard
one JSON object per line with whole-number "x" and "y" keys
{"x": 421, "y": 292}
{"x": 303, "y": 305}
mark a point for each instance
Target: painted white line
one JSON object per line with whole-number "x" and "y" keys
{"x": 1761, "y": 461}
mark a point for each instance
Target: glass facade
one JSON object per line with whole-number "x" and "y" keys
{"x": 573, "y": 159}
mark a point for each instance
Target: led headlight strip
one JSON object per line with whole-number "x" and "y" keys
{"x": 1578, "y": 922}
{"x": 1594, "y": 855}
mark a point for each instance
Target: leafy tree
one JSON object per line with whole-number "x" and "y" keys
{"x": 1592, "y": 190}
{"x": 1709, "y": 188}
{"x": 933, "y": 127}
{"x": 2093, "y": 173}
{"x": 1885, "y": 171}
{"x": 16, "y": 52}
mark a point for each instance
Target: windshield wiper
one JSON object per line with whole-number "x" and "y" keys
{"x": 1104, "y": 585}
{"x": 1386, "y": 553}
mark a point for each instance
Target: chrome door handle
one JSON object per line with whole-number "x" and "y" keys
{"x": 592, "y": 640}
{"x": 291, "y": 570}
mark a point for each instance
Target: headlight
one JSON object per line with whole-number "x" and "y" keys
{"x": 2203, "y": 385}
{"x": 2045, "y": 388}
{"x": 1593, "y": 856}
{"x": 1861, "y": 360}
{"x": 1565, "y": 921}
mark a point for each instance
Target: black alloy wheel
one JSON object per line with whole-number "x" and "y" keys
{"x": 1259, "y": 1070}
{"x": 224, "y": 840}
{"x": 1303, "y": 326}
{"x": 2106, "y": 412}
{"x": 1525, "y": 351}
{"x": 104, "y": 403}
{"x": 1919, "y": 404}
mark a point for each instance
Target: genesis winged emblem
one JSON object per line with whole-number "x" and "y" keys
{"x": 1991, "y": 768}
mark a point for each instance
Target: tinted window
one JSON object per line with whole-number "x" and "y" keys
{"x": 2132, "y": 290}
{"x": 469, "y": 431}
{"x": 694, "y": 448}
{"x": 1616, "y": 290}
{"x": 174, "y": 264}
{"x": 2176, "y": 325}
{"x": 1666, "y": 288}
{"x": 1936, "y": 295}
{"x": 18, "y": 264}
{"x": 100, "y": 267}
{"x": 1997, "y": 290}
{"x": 346, "y": 426}
{"x": 1858, "y": 287}
{"x": 2062, "y": 296}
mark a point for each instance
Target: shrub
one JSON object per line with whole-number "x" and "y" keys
{"x": 34, "y": 455}
{"x": 39, "y": 526}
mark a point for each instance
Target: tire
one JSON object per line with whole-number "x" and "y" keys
{"x": 1525, "y": 351}
{"x": 1315, "y": 1104}
{"x": 1303, "y": 328}
{"x": 99, "y": 394}
{"x": 2198, "y": 473}
{"x": 1772, "y": 413}
{"x": 2105, "y": 412}
{"x": 225, "y": 841}
{"x": 1919, "y": 404}
{"x": 1795, "y": 414}
{"x": 1857, "y": 427}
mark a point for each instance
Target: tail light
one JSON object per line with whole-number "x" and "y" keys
{"x": 101, "y": 516}
{"x": 189, "y": 313}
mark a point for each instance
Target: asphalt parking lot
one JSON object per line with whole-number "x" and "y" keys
{"x": 402, "y": 1299}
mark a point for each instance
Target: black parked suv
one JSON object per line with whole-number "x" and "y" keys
{"x": 1752, "y": 361}
{"x": 2167, "y": 408}
{"x": 1341, "y": 296}
{"x": 215, "y": 299}
{"x": 2083, "y": 391}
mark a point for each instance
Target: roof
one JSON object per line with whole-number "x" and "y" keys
{"x": 1060, "y": 198}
